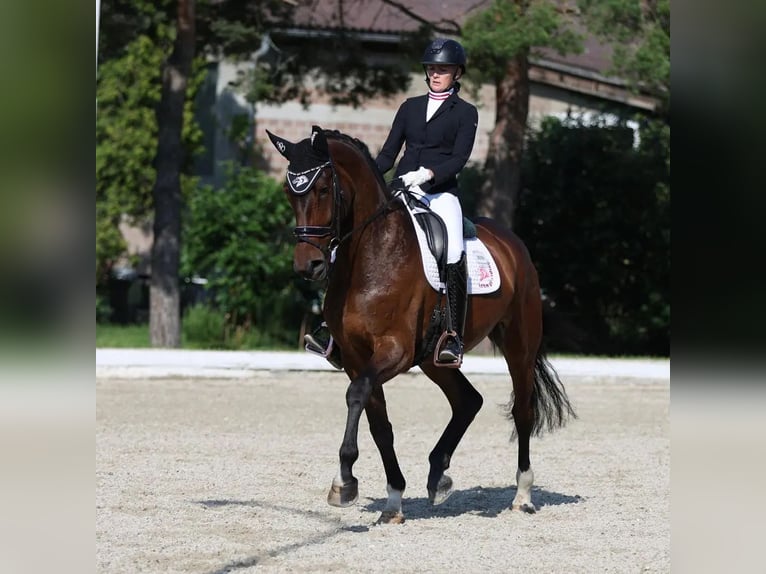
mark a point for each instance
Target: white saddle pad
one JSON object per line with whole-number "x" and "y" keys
{"x": 483, "y": 275}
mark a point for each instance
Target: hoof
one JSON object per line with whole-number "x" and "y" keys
{"x": 526, "y": 507}
{"x": 343, "y": 496}
{"x": 442, "y": 492}
{"x": 390, "y": 517}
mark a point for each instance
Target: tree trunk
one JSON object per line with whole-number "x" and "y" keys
{"x": 499, "y": 194}
{"x": 164, "y": 292}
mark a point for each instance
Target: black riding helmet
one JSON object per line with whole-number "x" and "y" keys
{"x": 443, "y": 51}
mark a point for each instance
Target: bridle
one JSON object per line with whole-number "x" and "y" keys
{"x": 305, "y": 233}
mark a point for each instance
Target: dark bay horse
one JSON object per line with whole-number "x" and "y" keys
{"x": 354, "y": 233}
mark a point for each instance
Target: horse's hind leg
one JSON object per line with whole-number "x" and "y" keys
{"x": 520, "y": 352}
{"x": 465, "y": 401}
{"x": 382, "y": 434}
{"x": 523, "y": 412}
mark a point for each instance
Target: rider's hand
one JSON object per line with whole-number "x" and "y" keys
{"x": 417, "y": 177}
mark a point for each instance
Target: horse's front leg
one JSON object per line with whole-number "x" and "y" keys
{"x": 387, "y": 361}
{"x": 383, "y": 435}
{"x": 345, "y": 488}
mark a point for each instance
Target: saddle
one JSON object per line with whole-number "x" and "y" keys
{"x": 435, "y": 230}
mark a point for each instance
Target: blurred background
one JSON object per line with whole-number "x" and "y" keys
{"x": 574, "y": 104}
{"x": 193, "y": 234}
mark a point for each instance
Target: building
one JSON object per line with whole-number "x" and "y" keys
{"x": 560, "y": 85}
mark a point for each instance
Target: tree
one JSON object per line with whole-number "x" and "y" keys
{"x": 595, "y": 213}
{"x": 499, "y": 41}
{"x": 164, "y": 290}
{"x": 171, "y": 28}
{"x": 213, "y": 28}
{"x": 128, "y": 92}
{"x": 239, "y": 238}
{"x": 639, "y": 31}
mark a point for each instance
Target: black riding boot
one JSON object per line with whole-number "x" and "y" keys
{"x": 322, "y": 343}
{"x": 457, "y": 297}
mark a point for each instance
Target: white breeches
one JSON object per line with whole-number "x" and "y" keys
{"x": 447, "y": 206}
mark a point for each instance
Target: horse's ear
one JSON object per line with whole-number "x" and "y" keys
{"x": 283, "y": 146}
{"x": 319, "y": 141}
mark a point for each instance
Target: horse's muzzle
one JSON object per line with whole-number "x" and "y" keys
{"x": 313, "y": 269}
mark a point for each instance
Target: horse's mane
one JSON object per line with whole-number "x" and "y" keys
{"x": 363, "y": 149}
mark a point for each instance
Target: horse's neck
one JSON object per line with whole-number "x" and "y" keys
{"x": 369, "y": 201}
{"x": 379, "y": 231}
{"x": 368, "y": 210}
{"x": 369, "y": 195}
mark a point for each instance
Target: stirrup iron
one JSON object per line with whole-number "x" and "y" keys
{"x": 451, "y": 364}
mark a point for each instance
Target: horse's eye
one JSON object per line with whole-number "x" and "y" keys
{"x": 324, "y": 190}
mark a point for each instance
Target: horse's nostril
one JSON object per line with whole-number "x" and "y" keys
{"x": 317, "y": 269}
{"x": 314, "y": 270}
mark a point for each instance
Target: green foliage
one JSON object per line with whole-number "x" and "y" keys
{"x": 509, "y": 29}
{"x": 103, "y": 309}
{"x": 470, "y": 180}
{"x": 595, "y": 214}
{"x": 128, "y": 92}
{"x": 338, "y": 69}
{"x": 239, "y": 238}
{"x": 122, "y": 336}
{"x": 204, "y": 328}
{"x": 640, "y": 33}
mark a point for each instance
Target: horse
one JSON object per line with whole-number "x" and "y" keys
{"x": 353, "y": 232}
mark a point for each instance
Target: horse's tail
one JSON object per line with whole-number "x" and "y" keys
{"x": 550, "y": 400}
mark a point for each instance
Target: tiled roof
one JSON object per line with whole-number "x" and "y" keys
{"x": 376, "y": 16}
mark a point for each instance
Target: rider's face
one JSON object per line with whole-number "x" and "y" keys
{"x": 441, "y": 76}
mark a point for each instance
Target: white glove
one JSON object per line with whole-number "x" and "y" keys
{"x": 412, "y": 178}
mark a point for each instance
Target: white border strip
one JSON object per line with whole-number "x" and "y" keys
{"x": 149, "y": 363}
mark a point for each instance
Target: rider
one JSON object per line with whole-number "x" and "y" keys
{"x": 438, "y": 130}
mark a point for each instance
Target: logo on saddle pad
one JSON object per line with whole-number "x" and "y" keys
{"x": 484, "y": 272}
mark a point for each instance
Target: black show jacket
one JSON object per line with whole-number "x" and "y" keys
{"x": 443, "y": 144}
